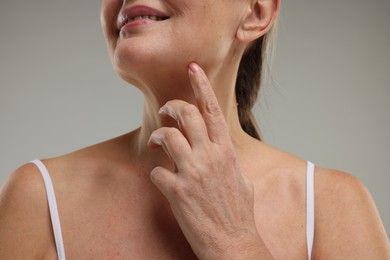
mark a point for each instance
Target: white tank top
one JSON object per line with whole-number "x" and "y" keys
{"x": 55, "y": 220}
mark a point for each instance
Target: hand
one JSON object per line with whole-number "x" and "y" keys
{"x": 209, "y": 196}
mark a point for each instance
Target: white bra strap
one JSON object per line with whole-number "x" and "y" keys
{"x": 310, "y": 208}
{"x": 55, "y": 220}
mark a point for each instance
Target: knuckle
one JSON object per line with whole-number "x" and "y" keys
{"x": 170, "y": 133}
{"x": 212, "y": 108}
{"x": 190, "y": 110}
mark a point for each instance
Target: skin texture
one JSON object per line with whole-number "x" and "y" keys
{"x": 189, "y": 183}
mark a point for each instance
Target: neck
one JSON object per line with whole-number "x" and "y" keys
{"x": 158, "y": 92}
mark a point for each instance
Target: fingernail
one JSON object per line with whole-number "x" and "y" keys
{"x": 194, "y": 67}
{"x": 163, "y": 110}
{"x": 154, "y": 141}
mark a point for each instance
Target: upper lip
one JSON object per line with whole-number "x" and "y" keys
{"x": 138, "y": 10}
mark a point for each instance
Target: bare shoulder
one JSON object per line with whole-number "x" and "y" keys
{"x": 339, "y": 187}
{"x": 24, "y": 217}
{"x": 80, "y": 179}
{"x": 347, "y": 222}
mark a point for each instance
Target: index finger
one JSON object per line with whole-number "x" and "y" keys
{"x": 208, "y": 105}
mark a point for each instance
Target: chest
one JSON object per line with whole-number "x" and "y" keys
{"x": 121, "y": 226}
{"x": 139, "y": 225}
{"x": 114, "y": 235}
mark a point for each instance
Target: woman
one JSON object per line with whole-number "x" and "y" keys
{"x": 193, "y": 181}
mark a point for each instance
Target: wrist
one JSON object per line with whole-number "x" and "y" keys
{"x": 246, "y": 246}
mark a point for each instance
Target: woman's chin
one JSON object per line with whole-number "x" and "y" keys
{"x": 146, "y": 70}
{"x": 151, "y": 75}
{"x": 153, "y": 66}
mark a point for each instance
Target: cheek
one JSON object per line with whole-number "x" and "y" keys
{"x": 108, "y": 17}
{"x": 204, "y": 38}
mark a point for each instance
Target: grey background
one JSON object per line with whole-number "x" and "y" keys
{"x": 328, "y": 100}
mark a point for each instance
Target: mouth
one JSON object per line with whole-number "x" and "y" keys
{"x": 140, "y": 13}
{"x": 139, "y": 17}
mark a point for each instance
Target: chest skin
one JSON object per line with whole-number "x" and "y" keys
{"x": 124, "y": 216}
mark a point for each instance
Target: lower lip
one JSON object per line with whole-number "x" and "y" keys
{"x": 137, "y": 23}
